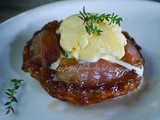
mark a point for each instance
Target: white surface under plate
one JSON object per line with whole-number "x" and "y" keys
{"x": 140, "y": 19}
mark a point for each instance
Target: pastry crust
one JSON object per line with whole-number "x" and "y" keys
{"x": 73, "y": 92}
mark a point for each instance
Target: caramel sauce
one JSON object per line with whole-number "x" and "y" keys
{"x": 73, "y": 91}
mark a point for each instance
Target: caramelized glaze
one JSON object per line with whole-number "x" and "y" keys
{"x": 74, "y": 91}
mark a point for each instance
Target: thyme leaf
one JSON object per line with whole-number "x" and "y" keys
{"x": 88, "y": 18}
{"x": 10, "y": 93}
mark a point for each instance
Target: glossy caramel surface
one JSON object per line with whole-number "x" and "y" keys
{"x": 44, "y": 49}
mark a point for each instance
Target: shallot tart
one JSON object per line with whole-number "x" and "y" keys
{"x": 85, "y": 86}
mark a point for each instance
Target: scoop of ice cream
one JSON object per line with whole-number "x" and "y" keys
{"x": 80, "y": 45}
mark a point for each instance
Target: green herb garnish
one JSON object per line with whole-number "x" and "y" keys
{"x": 88, "y": 18}
{"x": 11, "y": 93}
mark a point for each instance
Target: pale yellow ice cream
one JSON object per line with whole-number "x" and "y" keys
{"x": 82, "y": 46}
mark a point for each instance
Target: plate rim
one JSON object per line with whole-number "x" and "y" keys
{"x": 71, "y": 2}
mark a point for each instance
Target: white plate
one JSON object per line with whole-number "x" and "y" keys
{"x": 140, "y": 19}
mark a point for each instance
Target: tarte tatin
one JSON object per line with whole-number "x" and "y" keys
{"x": 79, "y": 86}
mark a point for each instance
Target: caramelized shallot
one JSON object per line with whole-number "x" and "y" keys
{"x": 80, "y": 84}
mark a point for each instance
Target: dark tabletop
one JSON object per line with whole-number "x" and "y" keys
{"x": 10, "y": 8}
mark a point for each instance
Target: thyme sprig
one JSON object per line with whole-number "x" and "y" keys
{"x": 11, "y": 96}
{"x": 89, "y": 18}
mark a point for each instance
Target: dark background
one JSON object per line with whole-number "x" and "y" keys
{"x": 10, "y": 8}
